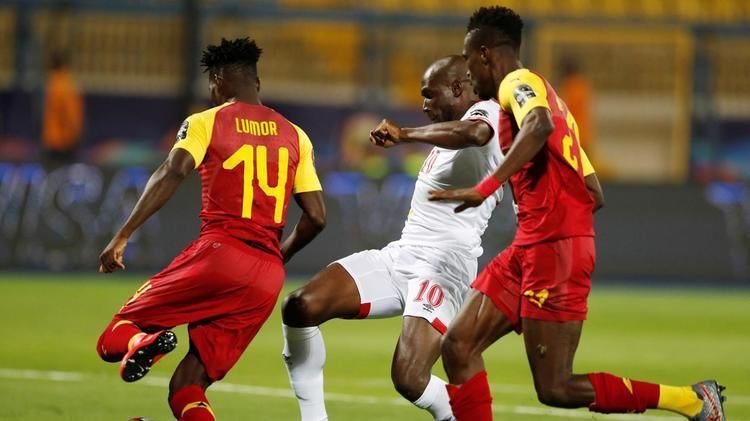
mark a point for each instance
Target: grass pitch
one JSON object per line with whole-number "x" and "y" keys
{"x": 49, "y": 369}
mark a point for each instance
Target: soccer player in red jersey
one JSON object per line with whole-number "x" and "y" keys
{"x": 225, "y": 284}
{"x": 540, "y": 284}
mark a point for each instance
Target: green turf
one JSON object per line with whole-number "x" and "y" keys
{"x": 52, "y": 323}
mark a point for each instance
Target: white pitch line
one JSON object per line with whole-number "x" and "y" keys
{"x": 68, "y": 376}
{"x": 58, "y": 376}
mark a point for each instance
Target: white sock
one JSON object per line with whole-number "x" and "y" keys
{"x": 305, "y": 355}
{"x": 435, "y": 400}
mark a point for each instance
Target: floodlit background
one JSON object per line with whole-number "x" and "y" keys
{"x": 92, "y": 93}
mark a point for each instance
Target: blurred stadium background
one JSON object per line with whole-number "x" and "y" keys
{"x": 660, "y": 88}
{"x": 92, "y": 93}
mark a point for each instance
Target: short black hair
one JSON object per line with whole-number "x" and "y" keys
{"x": 241, "y": 52}
{"x": 504, "y": 22}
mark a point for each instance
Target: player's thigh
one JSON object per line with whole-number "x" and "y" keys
{"x": 221, "y": 341}
{"x": 437, "y": 282}
{"x": 380, "y": 291}
{"x": 417, "y": 349}
{"x": 331, "y": 293}
{"x": 557, "y": 279}
{"x": 477, "y": 325}
{"x": 550, "y": 349}
{"x": 500, "y": 281}
{"x": 203, "y": 272}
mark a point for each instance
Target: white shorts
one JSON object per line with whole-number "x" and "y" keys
{"x": 407, "y": 280}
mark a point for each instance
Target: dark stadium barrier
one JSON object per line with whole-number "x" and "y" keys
{"x": 60, "y": 219}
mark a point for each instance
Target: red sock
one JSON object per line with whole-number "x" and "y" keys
{"x": 190, "y": 404}
{"x": 620, "y": 395}
{"x": 472, "y": 400}
{"x": 113, "y": 343}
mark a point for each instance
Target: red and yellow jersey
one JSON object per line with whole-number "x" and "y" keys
{"x": 553, "y": 201}
{"x": 251, "y": 160}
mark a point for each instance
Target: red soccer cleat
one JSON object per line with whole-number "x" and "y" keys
{"x": 146, "y": 351}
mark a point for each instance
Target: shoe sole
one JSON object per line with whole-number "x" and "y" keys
{"x": 139, "y": 363}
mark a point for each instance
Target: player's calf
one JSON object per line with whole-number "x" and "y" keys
{"x": 462, "y": 357}
{"x": 571, "y": 392}
{"x": 409, "y": 381}
{"x": 190, "y": 404}
{"x": 114, "y": 342}
{"x": 417, "y": 350}
{"x": 700, "y": 402}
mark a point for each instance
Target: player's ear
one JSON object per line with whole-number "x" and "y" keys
{"x": 457, "y": 88}
{"x": 484, "y": 54}
{"x": 257, "y": 83}
{"x": 218, "y": 81}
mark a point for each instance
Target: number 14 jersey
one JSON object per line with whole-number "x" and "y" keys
{"x": 251, "y": 160}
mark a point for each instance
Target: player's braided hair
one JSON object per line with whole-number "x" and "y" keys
{"x": 241, "y": 51}
{"x": 500, "y": 19}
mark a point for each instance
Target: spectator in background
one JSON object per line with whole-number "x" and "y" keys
{"x": 575, "y": 90}
{"x": 63, "y": 113}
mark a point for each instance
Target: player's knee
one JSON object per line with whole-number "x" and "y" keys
{"x": 553, "y": 395}
{"x": 409, "y": 380}
{"x": 300, "y": 309}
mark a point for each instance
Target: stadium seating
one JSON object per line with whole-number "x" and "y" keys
{"x": 724, "y": 11}
{"x": 134, "y": 53}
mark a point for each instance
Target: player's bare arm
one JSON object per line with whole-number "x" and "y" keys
{"x": 595, "y": 190}
{"x": 159, "y": 189}
{"x": 458, "y": 134}
{"x": 310, "y": 224}
{"x": 535, "y": 129}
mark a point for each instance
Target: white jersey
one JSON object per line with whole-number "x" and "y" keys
{"x": 435, "y": 224}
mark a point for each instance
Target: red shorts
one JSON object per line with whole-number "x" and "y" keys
{"x": 545, "y": 281}
{"x": 223, "y": 289}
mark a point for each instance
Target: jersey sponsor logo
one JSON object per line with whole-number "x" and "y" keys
{"x": 480, "y": 113}
{"x": 523, "y": 93}
{"x": 182, "y": 133}
{"x": 537, "y": 298}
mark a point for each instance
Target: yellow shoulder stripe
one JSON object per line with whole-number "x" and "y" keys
{"x": 195, "y": 133}
{"x": 306, "y": 178}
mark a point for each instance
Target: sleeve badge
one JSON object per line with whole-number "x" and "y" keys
{"x": 182, "y": 133}
{"x": 523, "y": 93}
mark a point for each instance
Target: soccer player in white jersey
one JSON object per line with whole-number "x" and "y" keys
{"x": 423, "y": 276}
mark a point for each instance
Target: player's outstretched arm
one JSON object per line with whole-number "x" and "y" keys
{"x": 450, "y": 134}
{"x": 595, "y": 190}
{"x": 535, "y": 128}
{"x": 160, "y": 187}
{"x": 310, "y": 224}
